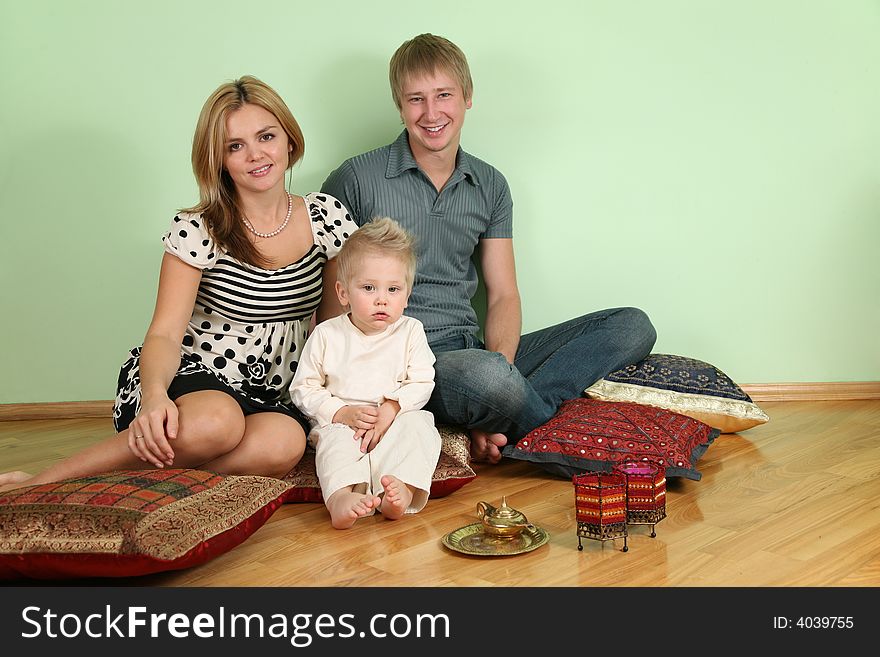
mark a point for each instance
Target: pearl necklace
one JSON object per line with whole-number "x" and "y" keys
{"x": 247, "y": 224}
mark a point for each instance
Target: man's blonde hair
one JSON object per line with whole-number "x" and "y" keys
{"x": 382, "y": 236}
{"x": 424, "y": 55}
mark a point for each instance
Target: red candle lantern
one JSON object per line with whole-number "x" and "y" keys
{"x": 600, "y": 505}
{"x": 645, "y": 493}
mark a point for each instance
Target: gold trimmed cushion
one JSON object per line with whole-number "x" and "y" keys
{"x": 131, "y": 522}
{"x": 683, "y": 385}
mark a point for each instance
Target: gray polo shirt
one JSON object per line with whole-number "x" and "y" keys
{"x": 474, "y": 205}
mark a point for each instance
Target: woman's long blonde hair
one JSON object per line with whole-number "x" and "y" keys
{"x": 219, "y": 203}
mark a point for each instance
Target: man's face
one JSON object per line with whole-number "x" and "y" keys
{"x": 432, "y": 109}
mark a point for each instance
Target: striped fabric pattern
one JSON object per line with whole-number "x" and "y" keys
{"x": 249, "y": 324}
{"x": 249, "y": 295}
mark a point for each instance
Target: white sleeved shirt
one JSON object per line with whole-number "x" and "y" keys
{"x": 340, "y": 366}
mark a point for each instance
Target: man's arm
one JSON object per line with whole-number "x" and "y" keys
{"x": 343, "y": 185}
{"x": 330, "y": 306}
{"x": 503, "y": 325}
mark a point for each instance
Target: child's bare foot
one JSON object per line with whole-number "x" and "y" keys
{"x": 486, "y": 446}
{"x": 11, "y": 480}
{"x": 396, "y": 499}
{"x": 346, "y": 506}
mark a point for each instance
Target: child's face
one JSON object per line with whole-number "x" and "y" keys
{"x": 376, "y": 294}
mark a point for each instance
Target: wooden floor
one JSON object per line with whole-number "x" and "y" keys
{"x": 795, "y": 502}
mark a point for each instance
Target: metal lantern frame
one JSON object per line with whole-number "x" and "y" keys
{"x": 645, "y": 493}
{"x": 600, "y": 505}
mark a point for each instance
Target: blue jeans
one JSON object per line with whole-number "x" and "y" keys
{"x": 479, "y": 389}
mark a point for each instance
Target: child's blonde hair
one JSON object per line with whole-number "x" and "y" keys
{"x": 382, "y": 236}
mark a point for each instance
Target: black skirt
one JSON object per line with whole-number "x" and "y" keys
{"x": 192, "y": 376}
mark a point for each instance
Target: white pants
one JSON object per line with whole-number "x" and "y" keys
{"x": 409, "y": 450}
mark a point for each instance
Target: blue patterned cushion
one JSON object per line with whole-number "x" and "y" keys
{"x": 684, "y": 385}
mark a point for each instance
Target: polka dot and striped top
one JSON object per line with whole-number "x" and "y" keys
{"x": 249, "y": 324}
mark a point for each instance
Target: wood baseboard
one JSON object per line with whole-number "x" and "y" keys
{"x": 857, "y": 390}
{"x": 56, "y": 410}
{"x": 839, "y": 391}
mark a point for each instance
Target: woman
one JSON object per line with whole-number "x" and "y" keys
{"x": 240, "y": 280}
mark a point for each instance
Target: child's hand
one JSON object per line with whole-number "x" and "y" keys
{"x": 359, "y": 418}
{"x": 371, "y": 437}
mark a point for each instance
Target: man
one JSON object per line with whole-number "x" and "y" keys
{"x": 457, "y": 206}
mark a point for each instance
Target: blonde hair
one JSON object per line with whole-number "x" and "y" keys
{"x": 382, "y": 236}
{"x": 219, "y": 202}
{"x": 423, "y": 55}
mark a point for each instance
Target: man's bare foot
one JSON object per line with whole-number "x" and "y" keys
{"x": 11, "y": 480}
{"x": 486, "y": 446}
{"x": 346, "y": 506}
{"x": 396, "y": 499}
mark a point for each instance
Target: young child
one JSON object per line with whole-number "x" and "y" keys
{"x": 362, "y": 379}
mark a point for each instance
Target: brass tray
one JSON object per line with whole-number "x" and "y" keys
{"x": 472, "y": 540}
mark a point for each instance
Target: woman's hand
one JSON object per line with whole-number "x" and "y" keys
{"x": 150, "y": 431}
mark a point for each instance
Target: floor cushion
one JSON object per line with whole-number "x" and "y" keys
{"x": 133, "y": 522}
{"x": 593, "y": 435}
{"x": 452, "y": 472}
{"x": 684, "y": 385}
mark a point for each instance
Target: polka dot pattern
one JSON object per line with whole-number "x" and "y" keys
{"x": 257, "y": 358}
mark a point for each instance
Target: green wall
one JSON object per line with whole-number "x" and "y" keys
{"x": 715, "y": 163}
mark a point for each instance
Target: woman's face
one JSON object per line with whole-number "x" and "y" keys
{"x": 257, "y": 149}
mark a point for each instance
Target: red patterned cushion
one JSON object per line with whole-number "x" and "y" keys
{"x": 588, "y": 434}
{"x": 304, "y": 481}
{"x": 452, "y": 472}
{"x": 125, "y": 523}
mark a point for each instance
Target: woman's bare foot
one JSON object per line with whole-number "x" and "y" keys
{"x": 486, "y": 446}
{"x": 396, "y": 499}
{"x": 15, "y": 479}
{"x": 346, "y": 506}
